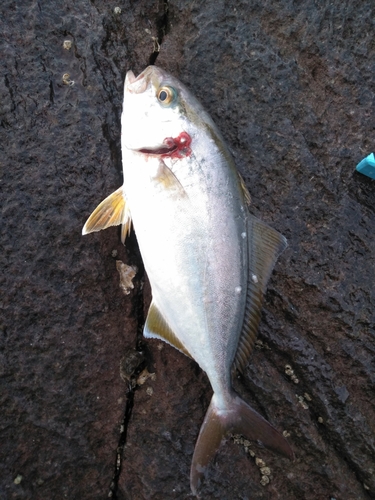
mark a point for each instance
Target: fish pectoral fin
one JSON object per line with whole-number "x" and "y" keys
{"x": 265, "y": 245}
{"x": 110, "y": 212}
{"x": 126, "y": 224}
{"x": 167, "y": 180}
{"x": 237, "y": 418}
{"x": 157, "y": 327}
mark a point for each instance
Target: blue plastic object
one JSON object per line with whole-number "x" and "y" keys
{"x": 367, "y": 166}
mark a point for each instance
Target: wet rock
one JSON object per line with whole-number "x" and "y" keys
{"x": 291, "y": 90}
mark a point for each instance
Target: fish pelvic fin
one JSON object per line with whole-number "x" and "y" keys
{"x": 157, "y": 327}
{"x": 110, "y": 212}
{"x": 237, "y": 418}
{"x": 265, "y": 244}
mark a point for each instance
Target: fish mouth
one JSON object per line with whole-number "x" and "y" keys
{"x": 130, "y": 77}
{"x": 168, "y": 147}
{"x": 173, "y": 147}
{"x": 139, "y": 84}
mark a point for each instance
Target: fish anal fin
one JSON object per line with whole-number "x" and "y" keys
{"x": 157, "y": 327}
{"x": 237, "y": 418}
{"x": 112, "y": 211}
{"x": 265, "y": 244}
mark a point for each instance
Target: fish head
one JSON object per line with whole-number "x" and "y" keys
{"x": 160, "y": 116}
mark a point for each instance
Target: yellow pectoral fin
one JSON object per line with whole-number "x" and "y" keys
{"x": 167, "y": 180}
{"x": 110, "y": 212}
{"x": 157, "y": 327}
{"x": 126, "y": 224}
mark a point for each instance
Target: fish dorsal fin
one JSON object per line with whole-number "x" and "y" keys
{"x": 110, "y": 212}
{"x": 245, "y": 191}
{"x": 157, "y": 327}
{"x": 264, "y": 247}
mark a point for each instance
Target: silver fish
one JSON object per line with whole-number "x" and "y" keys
{"x": 207, "y": 258}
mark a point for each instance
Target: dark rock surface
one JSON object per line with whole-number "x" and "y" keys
{"x": 291, "y": 86}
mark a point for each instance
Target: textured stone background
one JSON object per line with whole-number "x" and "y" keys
{"x": 291, "y": 86}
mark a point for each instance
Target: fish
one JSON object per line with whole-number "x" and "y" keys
{"x": 208, "y": 259}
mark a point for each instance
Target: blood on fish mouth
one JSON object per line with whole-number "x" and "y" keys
{"x": 172, "y": 147}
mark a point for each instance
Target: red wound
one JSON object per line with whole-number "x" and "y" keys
{"x": 179, "y": 147}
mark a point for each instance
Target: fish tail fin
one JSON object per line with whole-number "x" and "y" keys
{"x": 238, "y": 418}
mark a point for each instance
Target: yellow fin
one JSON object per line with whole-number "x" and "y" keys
{"x": 245, "y": 191}
{"x": 265, "y": 245}
{"x": 126, "y": 224}
{"x": 167, "y": 180}
{"x": 110, "y": 212}
{"x": 157, "y": 327}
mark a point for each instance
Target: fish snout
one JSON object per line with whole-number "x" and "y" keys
{"x": 135, "y": 84}
{"x": 130, "y": 78}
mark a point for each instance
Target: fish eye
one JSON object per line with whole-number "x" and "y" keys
{"x": 166, "y": 95}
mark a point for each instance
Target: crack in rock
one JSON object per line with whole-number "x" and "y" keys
{"x": 162, "y": 25}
